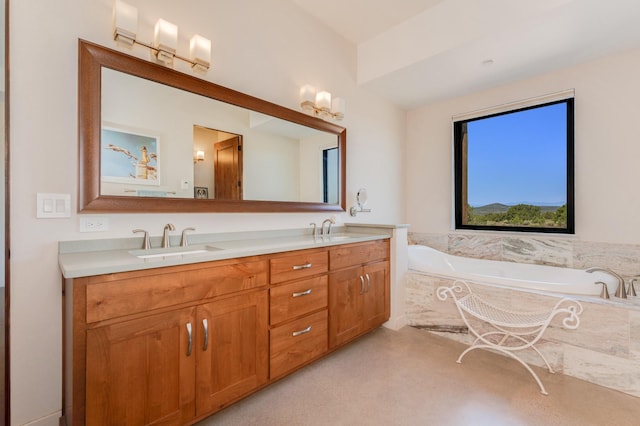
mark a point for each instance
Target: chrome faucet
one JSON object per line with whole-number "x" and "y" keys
{"x": 183, "y": 240}
{"x": 330, "y": 221}
{"x": 165, "y": 235}
{"x": 621, "y": 291}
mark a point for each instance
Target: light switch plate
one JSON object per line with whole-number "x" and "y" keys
{"x": 53, "y": 206}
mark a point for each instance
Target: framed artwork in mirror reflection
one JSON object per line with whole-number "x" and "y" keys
{"x": 129, "y": 157}
{"x": 200, "y": 192}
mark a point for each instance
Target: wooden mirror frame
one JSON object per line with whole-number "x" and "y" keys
{"x": 92, "y": 58}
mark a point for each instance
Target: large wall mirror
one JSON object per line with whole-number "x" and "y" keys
{"x": 156, "y": 140}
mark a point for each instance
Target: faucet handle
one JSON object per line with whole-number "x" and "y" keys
{"x": 145, "y": 243}
{"x": 604, "y": 294}
{"x": 632, "y": 287}
{"x": 315, "y": 229}
{"x": 183, "y": 240}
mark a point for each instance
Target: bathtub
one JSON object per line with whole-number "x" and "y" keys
{"x": 544, "y": 278}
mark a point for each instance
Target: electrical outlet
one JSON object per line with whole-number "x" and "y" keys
{"x": 94, "y": 223}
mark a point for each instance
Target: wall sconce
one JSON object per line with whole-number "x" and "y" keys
{"x": 198, "y": 156}
{"x": 361, "y": 200}
{"x": 320, "y": 104}
{"x": 165, "y": 40}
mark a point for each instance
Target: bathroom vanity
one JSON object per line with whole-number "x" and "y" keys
{"x": 171, "y": 340}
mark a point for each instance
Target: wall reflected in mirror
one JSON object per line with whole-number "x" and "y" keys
{"x": 246, "y": 155}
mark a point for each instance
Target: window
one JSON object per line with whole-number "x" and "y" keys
{"x": 514, "y": 169}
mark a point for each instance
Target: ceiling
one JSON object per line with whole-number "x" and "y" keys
{"x": 413, "y": 52}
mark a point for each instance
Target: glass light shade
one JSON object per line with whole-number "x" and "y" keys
{"x": 199, "y": 155}
{"x": 200, "y": 51}
{"x": 125, "y": 22}
{"x": 165, "y": 36}
{"x": 337, "y": 108}
{"x": 307, "y": 93}
{"x": 323, "y": 100}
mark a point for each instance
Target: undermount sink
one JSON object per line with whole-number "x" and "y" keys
{"x": 172, "y": 251}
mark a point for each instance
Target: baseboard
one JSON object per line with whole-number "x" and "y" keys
{"x": 396, "y": 323}
{"x": 52, "y": 419}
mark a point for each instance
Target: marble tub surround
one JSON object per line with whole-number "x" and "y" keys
{"x": 94, "y": 257}
{"x": 568, "y": 252}
{"x": 605, "y": 349}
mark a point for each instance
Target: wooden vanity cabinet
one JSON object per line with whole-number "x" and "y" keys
{"x": 232, "y": 350}
{"x": 298, "y": 307}
{"x": 168, "y": 345}
{"x": 172, "y": 345}
{"x": 359, "y": 292}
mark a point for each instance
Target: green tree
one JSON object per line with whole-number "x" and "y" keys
{"x": 521, "y": 213}
{"x": 560, "y": 216}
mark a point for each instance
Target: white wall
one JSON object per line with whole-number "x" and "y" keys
{"x": 266, "y": 48}
{"x": 607, "y": 148}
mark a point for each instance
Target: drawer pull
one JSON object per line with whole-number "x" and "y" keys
{"x": 299, "y": 267}
{"x": 190, "y": 339}
{"x": 361, "y": 285}
{"x": 368, "y": 282}
{"x": 205, "y": 325}
{"x": 302, "y": 293}
{"x": 298, "y": 333}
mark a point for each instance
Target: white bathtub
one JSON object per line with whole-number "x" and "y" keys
{"x": 553, "y": 279}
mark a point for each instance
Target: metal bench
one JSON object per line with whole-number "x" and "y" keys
{"x": 511, "y": 331}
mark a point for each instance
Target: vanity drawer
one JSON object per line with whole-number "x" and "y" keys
{"x": 299, "y": 265}
{"x": 359, "y": 253}
{"x": 298, "y": 298}
{"x": 115, "y": 295}
{"x": 295, "y": 343}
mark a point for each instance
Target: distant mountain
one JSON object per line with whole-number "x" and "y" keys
{"x": 491, "y": 208}
{"x": 502, "y": 208}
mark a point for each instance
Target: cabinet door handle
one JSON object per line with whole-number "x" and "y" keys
{"x": 302, "y": 293}
{"x": 305, "y": 266}
{"x": 205, "y": 325}
{"x": 189, "y": 339}
{"x": 298, "y": 333}
{"x": 361, "y": 285}
{"x": 368, "y": 282}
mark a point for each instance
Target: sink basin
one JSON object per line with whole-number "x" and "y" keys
{"x": 172, "y": 251}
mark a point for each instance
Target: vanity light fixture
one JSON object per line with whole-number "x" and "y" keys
{"x": 165, "y": 40}
{"x": 199, "y": 156}
{"x": 320, "y": 104}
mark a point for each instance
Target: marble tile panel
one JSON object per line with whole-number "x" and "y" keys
{"x": 603, "y": 328}
{"x": 634, "y": 335}
{"x": 540, "y": 251}
{"x": 605, "y": 370}
{"x": 437, "y": 241}
{"x": 477, "y": 246}
{"x": 422, "y": 305}
{"x": 622, "y": 258}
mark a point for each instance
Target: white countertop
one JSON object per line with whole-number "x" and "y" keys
{"x": 96, "y": 257}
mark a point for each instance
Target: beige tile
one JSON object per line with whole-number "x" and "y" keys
{"x": 541, "y": 251}
{"x": 605, "y": 370}
{"x": 476, "y": 246}
{"x": 437, "y": 241}
{"x": 603, "y": 328}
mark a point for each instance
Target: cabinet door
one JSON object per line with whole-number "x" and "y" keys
{"x": 376, "y": 309}
{"x": 345, "y": 305}
{"x": 139, "y": 372}
{"x": 232, "y": 350}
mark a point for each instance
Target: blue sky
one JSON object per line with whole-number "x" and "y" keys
{"x": 518, "y": 157}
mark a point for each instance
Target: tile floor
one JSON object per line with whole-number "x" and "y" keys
{"x": 410, "y": 377}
